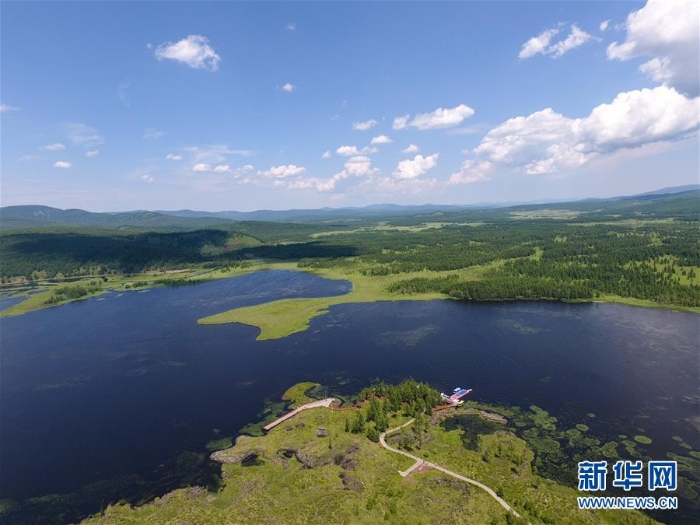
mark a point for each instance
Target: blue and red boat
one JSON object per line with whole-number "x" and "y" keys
{"x": 457, "y": 395}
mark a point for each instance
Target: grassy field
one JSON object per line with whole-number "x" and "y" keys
{"x": 293, "y": 476}
{"x": 281, "y": 318}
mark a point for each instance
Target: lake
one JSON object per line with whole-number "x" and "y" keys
{"x": 104, "y": 397}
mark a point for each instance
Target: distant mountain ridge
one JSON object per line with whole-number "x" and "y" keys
{"x": 37, "y": 216}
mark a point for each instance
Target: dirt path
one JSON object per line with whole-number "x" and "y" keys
{"x": 420, "y": 462}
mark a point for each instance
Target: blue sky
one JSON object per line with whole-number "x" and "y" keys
{"x": 217, "y": 106}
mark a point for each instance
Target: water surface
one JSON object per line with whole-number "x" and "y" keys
{"x": 117, "y": 385}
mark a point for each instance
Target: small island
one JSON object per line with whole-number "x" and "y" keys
{"x": 396, "y": 455}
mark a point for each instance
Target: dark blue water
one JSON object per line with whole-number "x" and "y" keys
{"x": 117, "y": 385}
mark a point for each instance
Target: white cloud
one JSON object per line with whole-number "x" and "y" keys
{"x": 173, "y": 156}
{"x": 547, "y": 142}
{"x": 381, "y": 139}
{"x": 326, "y": 155}
{"x": 62, "y": 165}
{"x": 147, "y": 178}
{"x": 350, "y": 151}
{"x": 412, "y": 148}
{"x": 194, "y": 51}
{"x": 283, "y": 171}
{"x": 201, "y": 167}
{"x": 575, "y": 39}
{"x": 359, "y": 166}
{"x": 410, "y": 169}
{"x": 363, "y": 126}
{"x": 604, "y": 25}
{"x": 92, "y": 153}
{"x": 5, "y": 107}
{"x": 222, "y": 168}
{"x": 666, "y": 30}
{"x": 471, "y": 172}
{"x": 54, "y": 147}
{"x": 288, "y": 87}
{"x": 83, "y": 135}
{"x": 537, "y": 44}
{"x": 152, "y": 134}
{"x": 541, "y": 44}
{"x": 400, "y": 122}
{"x": 291, "y": 26}
{"x": 440, "y": 118}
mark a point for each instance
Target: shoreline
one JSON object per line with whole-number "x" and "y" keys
{"x": 295, "y": 314}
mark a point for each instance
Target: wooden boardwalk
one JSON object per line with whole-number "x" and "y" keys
{"x": 315, "y": 404}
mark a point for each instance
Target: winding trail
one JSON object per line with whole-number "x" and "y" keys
{"x": 419, "y": 462}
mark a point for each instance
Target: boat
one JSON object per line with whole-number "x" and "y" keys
{"x": 457, "y": 395}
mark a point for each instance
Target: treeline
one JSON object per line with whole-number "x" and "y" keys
{"x": 410, "y": 397}
{"x": 76, "y": 291}
{"x": 497, "y": 288}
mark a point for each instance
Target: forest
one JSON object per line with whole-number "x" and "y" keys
{"x": 648, "y": 251}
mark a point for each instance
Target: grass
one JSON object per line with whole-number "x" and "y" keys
{"x": 280, "y": 489}
{"x": 297, "y": 394}
{"x": 281, "y": 318}
{"x": 643, "y": 303}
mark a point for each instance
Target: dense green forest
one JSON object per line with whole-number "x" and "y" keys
{"x": 645, "y": 248}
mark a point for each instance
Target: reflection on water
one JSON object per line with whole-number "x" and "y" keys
{"x": 107, "y": 390}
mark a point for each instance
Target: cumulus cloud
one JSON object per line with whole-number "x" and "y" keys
{"x": 349, "y": 151}
{"x": 203, "y": 167}
{"x": 381, "y": 139}
{"x": 401, "y": 122}
{"x": 92, "y": 153}
{"x": 363, "y": 126}
{"x": 440, "y": 118}
{"x": 326, "y": 155}
{"x": 666, "y": 30}
{"x": 541, "y": 44}
{"x": 410, "y": 169}
{"x": 471, "y": 172}
{"x": 537, "y": 44}
{"x": 5, "y": 107}
{"x": 358, "y": 166}
{"x": 604, "y": 25}
{"x": 194, "y": 51}
{"x": 54, "y": 147}
{"x": 147, "y": 178}
{"x": 62, "y": 165}
{"x": 288, "y": 170}
{"x": 547, "y": 142}
{"x": 575, "y": 39}
{"x": 288, "y": 87}
{"x": 173, "y": 156}
{"x": 411, "y": 148}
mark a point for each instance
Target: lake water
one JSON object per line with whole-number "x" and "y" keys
{"x": 104, "y": 390}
